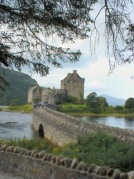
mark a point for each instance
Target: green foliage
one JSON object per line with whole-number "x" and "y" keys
{"x": 96, "y": 103}
{"x": 31, "y": 144}
{"x": 66, "y": 108}
{"x": 37, "y": 23}
{"x": 43, "y": 20}
{"x": 27, "y": 108}
{"x": 97, "y": 148}
{"x": 15, "y": 102}
{"x": 129, "y": 104}
{"x": 71, "y": 99}
{"x": 84, "y": 110}
{"x": 102, "y": 149}
{"x": 17, "y": 91}
{"x": 35, "y": 100}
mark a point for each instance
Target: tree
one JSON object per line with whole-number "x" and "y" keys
{"x": 103, "y": 102}
{"x": 93, "y": 102}
{"x": 30, "y": 30}
{"x": 71, "y": 99}
{"x": 96, "y": 103}
{"x": 129, "y": 104}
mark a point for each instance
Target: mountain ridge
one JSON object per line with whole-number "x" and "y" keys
{"x": 113, "y": 101}
{"x": 19, "y": 84}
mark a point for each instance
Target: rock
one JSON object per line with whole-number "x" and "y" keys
{"x": 27, "y": 152}
{"x": 42, "y": 153}
{"x": 53, "y": 159}
{"x": 123, "y": 176}
{"x": 103, "y": 171}
{"x": 74, "y": 163}
{"x": 97, "y": 169}
{"x": 131, "y": 175}
{"x": 116, "y": 174}
{"x": 33, "y": 152}
{"x": 49, "y": 157}
{"x": 110, "y": 172}
{"x": 91, "y": 168}
{"x": 58, "y": 159}
{"x": 82, "y": 166}
{"x": 10, "y": 148}
{"x": 3, "y": 147}
{"x": 45, "y": 157}
{"x": 36, "y": 155}
{"x": 22, "y": 151}
{"x": 16, "y": 149}
{"x": 68, "y": 162}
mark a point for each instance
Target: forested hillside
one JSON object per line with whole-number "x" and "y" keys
{"x": 17, "y": 90}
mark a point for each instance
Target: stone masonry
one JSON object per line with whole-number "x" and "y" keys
{"x": 62, "y": 128}
{"x": 74, "y": 85}
{"x": 30, "y": 164}
{"x": 71, "y": 85}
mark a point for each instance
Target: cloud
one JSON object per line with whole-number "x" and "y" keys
{"x": 98, "y": 86}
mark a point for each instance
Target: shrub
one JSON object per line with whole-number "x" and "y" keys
{"x": 31, "y": 144}
{"x": 102, "y": 149}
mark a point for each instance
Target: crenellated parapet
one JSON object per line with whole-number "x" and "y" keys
{"x": 31, "y": 164}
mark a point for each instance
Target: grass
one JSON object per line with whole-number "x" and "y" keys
{"x": 83, "y": 110}
{"x": 27, "y": 108}
{"x": 98, "y": 148}
{"x": 31, "y": 144}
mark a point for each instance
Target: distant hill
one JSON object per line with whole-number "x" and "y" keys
{"x": 112, "y": 101}
{"x": 19, "y": 84}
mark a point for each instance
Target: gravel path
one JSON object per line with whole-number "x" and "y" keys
{"x": 9, "y": 176}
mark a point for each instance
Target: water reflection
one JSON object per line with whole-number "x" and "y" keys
{"x": 121, "y": 122}
{"x": 15, "y": 125}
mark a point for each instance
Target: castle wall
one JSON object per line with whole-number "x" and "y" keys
{"x": 34, "y": 92}
{"x": 74, "y": 85}
{"x": 50, "y": 96}
{"x": 53, "y": 96}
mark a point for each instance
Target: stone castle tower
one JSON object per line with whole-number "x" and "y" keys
{"x": 71, "y": 85}
{"x": 74, "y": 85}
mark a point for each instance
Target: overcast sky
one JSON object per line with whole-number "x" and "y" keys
{"x": 95, "y": 70}
{"x": 96, "y": 74}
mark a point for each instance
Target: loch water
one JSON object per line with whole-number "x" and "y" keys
{"x": 121, "y": 122}
{"x": 16, "y": 125}
{"x": 19, "y": 125}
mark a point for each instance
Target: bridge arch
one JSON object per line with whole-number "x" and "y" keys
{"x": 41, "y": 131}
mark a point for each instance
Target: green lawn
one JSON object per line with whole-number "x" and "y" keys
{"x": 27, "y": 108}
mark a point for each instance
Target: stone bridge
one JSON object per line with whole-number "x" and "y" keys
{"x": 62, "y": 128}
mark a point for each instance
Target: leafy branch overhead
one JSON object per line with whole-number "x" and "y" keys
{"x": 33, "y": 32}
{"x": 31, "y": 29}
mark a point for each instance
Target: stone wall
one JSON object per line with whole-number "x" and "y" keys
{"x": 47, "y": 95}
{"x": 74, "y": 85}
{"x": 34, "y": 165}
{"x": 62, "y": 128}
{"x": 53, "y": 96}
{"x": 34, "y": 93}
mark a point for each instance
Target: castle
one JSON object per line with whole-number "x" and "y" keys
{"x": 71, "y": 85}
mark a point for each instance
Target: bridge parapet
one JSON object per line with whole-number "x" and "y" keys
{"x": 62, "y": 128}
